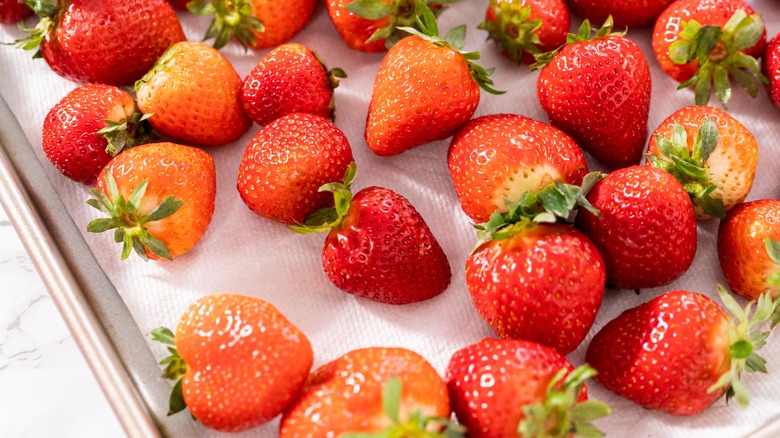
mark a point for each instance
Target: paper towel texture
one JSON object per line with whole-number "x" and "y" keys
{"x": 244, "y": 253}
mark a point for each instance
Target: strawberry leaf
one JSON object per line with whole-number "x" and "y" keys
{"x": 232, "y": 18}
{"x": 163, "y": 335}
{"x": 583, "y": 34}
{"x": 456, "y": 37}
{"x": 370, "y": 9}
{"x": 325, "y": 219}
{"x": 176, "y": 403}
{"x": 514, "y": 31}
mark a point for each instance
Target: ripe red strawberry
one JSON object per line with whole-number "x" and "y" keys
{"x": 624, "y": 12}
{"x": 347, "y": 395}
{"x": 87, "y": 127}
{"x": 704, "y": 43}
{"x": 424, "y": 91}
{"x": 378, "y": 246}
{"x": 315, "y": 152}
{"x": 514, "y": 388}
{"x": 495, "y": 159}
{"x": 159, "y": 213}
{"x": 13, "y": 11}
{"x": 109, "y": 42}
{"x": 289, "y": 79}
{"x": 771, "y": 69}
{"x": 710, "y": 153}
{"x": 192, "y": 95}
{"x": 237, "y": 361}
{"x": 747, "y": 259}
{"x": 680, "y": 352}
{"x": 179, "y": 4}
{"x": 523, "y": 28}
{"x": 646, "y": 231}
{"x": 254, "y": 23}
{"x": 598, "y": 91}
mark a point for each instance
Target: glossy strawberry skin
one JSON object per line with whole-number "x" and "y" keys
{"x": 491, "y": 381}
{"x": 646, "y": 232}
{"x": 771, "y": 69}
{"x": 741, "y": 249}
{"x": 544, "y": 284}
{"x": 556, "y": 21}
{"x": 355, "y": 30}
{"x": 110, "y": 42}
{"x": 384, "y": 251}
{"x": 13, "y": 11}
{"x": 345, "y": 395}
{"x": 286, "y": 163}
{"x": 288, "y": 79}
{"x": 624, "y": 12}
{"x": 246, "y": 361}
{"x": 668, "y": 26}
{"x": 497, "y": 157}
{"x": 70, "y": 139}
{"x": 421, "y": 93}
{"x": 282, "y": 19}
{"x": 194, "y": 97}
{"x": 665, "y": 354}
{"x": 732, "y": 165}
{"x": 193, "y": 181}
{"x": 599, "y": 93}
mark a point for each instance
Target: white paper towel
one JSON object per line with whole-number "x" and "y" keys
{"x": 244, "y": 253}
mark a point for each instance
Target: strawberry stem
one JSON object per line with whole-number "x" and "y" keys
{"x": 231, "y": 18}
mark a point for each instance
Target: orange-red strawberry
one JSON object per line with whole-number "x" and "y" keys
{"x": 495, "y": 159}
{"x": 646, "y": 230}
{"x": 771, "y": 69}
{"x": 192, "y": 95}
{"x": 704, "y": 43}
{"x": 237, "y": 360}
{"x": 286, "y": 190}
{"x": 629, "y": 13}
{"x": 347, "y": 395}
{"x": 523, "y": 28}
{"x": 289, "y": 79}
{"x": 680, "y": 352}
{"x": 424, "y": 91}
{"x": 13, "y": 11}
{"x": 598, "y": 91}
{"x": 254, "y": 23}
{"x": 378, "y": 246}
{"x": 87, "y": 127}
{"x": 748, "y": 260}
{"x": 109, "y": 42}
{"x": 710, "y": 153}
{"x": 159, "y": 198}
{"x": 516, "y": 388}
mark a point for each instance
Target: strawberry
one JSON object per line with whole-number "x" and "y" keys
{"x": 289, "y": 79}
{"x": 424, "y": 91}
{"x": 13, "y": 11}
{"x": 237, "y": 361}
{"x": 703, "y": 43}
{"x": 179, "y": 4}
{"x": 680, "y": 352}
{"x": 87, "y": 127}
{"x": 495, "y": 159}
{"x": 109, "y": 42}
{"x": 710, "y": 153}
{"x": 746, "y": 251}
{"x": 254, "y": 23}
{"x": 378, "y": 246}
{"x": 159, "y": 198}
{"x": 192, "y": 95}
{"x": 513, "y": 388}
{"x": 598, "y": 91}
{"x": 628, "y": 13}
{"x": 523, "y": 28}
{"x": 315, "y": 152}
{"x": 771, "y": 69}
{"x": 347, "y": 395}
{"x": 646, "y": 231}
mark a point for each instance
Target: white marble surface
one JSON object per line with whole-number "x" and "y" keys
{"x": 46, "y": 387}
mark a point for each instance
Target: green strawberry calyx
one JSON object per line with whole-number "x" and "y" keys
{"x": 128, "y": 224}
{"x": 417, "y": 425}
{"x": 400, "y": 13}
{"x": 718, "y": 52}
{"x": 691, "y": 168}
{"x": 745, "y": 339}
{"x": 160, "y": 65}
{"x": 773, "y": 280}
{"x": 584, "y": 33}
{"x": 128, "y": 132}
{"x": 560, "y": 415}
{"x": 175, "y": 367}
{"x": 231, "y": 18}
{"x": 514, "y": 30}
{"x": 46, "y": 10}
{"x": 325, "y": 219}
{"x": 455, "y": 39}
